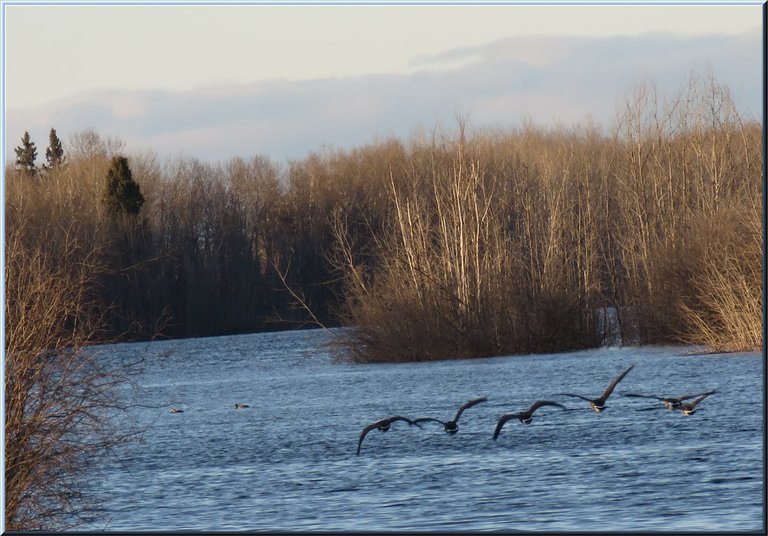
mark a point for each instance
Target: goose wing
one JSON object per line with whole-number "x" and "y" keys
{"x": 695, "y": 402}
{"x": 468, "y": 405}
{"x": 689, "y": 396}
{"x": 536, "y": 405}
{"x": 502, "y": 420}
{"x": 635, "y": 395}
{"x": 370, "y": 427}
{"x": 615, "y": 382}
{"x": 365, "y": 431}
{"x": 399, "y": 418}
{"x": 575, "y": 396}
{"x": 427, "y": 419}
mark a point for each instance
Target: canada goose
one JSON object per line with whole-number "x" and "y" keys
{"x": 383, "y": 426}
{"x": 177, "y": 410}
{"x": 241, "y": 406}
{"x": 452, "y": 426}
{"x": 671, "y": 402}
{"x": 598, "y": 404}
{"x": 690, "y": 409}
{"x": 525, "y": 416}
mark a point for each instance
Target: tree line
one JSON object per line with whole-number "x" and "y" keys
{"x": 508, "y": 238}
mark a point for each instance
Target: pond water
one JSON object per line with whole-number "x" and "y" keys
{"x": 288, "y": 461}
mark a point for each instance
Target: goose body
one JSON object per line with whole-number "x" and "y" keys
{"x": 525, "y": 417}
{"x": 598, "y": 404}
{"x": 452, "y": 426}
{"x": 382, "y": 426}
{"x": 671, "y": 403}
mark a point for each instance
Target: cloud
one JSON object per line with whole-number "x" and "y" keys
{"x": 546, "y": 79}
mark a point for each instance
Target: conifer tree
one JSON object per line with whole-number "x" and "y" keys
{"x": 26, "y": 154}
{"x": 122, "y": 194}
{"x": 54, "y": 154}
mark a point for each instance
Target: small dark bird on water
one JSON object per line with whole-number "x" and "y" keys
{"x": 671, "y": 402}
{"x": 690, "y": 408}
{"x": 383, "y": 426}
{"x": 526, "y": 416}
{"x": 238, "y": 405}
{"x": 452, "y": 426}
{"x": 598, "y": 404}
{"x": 177, "y": 410}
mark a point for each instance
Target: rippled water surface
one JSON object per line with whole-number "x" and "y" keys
{"x": 288, "y": 461}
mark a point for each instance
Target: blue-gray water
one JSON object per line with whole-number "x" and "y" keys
{"x": 288, "y": 462}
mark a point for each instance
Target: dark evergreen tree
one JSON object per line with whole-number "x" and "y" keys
{"x": 26, "y": 154}
{"x": 123, "y": 194}
{"x": 54, "y": 154}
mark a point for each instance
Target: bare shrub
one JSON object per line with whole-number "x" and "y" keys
{"x": 61, "y": 404}
{"x": 723, "y": 309}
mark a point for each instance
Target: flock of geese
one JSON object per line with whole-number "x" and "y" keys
{"x": 525, "y": 417}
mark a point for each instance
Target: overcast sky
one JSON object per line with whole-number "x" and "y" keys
{"x": 215, "y": 82}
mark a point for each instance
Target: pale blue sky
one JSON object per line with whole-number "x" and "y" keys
{"x": 219, "y": 81}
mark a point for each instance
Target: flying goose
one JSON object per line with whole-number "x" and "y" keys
{"x": 671, "y": 402}
{"x": 525, "y": 416}
{"x": 690, "y": 408}
{"x": 452, "y": 426}
{"x": 383, "y": 426}
{"x": 598, "y": 404}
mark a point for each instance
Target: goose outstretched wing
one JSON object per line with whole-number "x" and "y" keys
{"x": 536, "y": 405}
{"x": 575, "y": 396}
{"x": 502, "y": 421}
{"x": 468, "y": 405}
{"x": 635, "y": 395}
{"x": 427, "y": 419}
{"x": 399, "y": 418}
{"x": 695, "y": 402}
{"x": 689, "y": 396}
{"x": 365, "y": 432}
{"x": 615, "y": 382}
{"x": 376, "y": 424}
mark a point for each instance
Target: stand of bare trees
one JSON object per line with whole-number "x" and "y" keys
{"x": 464, "y": 268}
{"x": 510, "y": 240}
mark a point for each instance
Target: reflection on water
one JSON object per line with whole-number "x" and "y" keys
{"x": 288, "y": 462}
